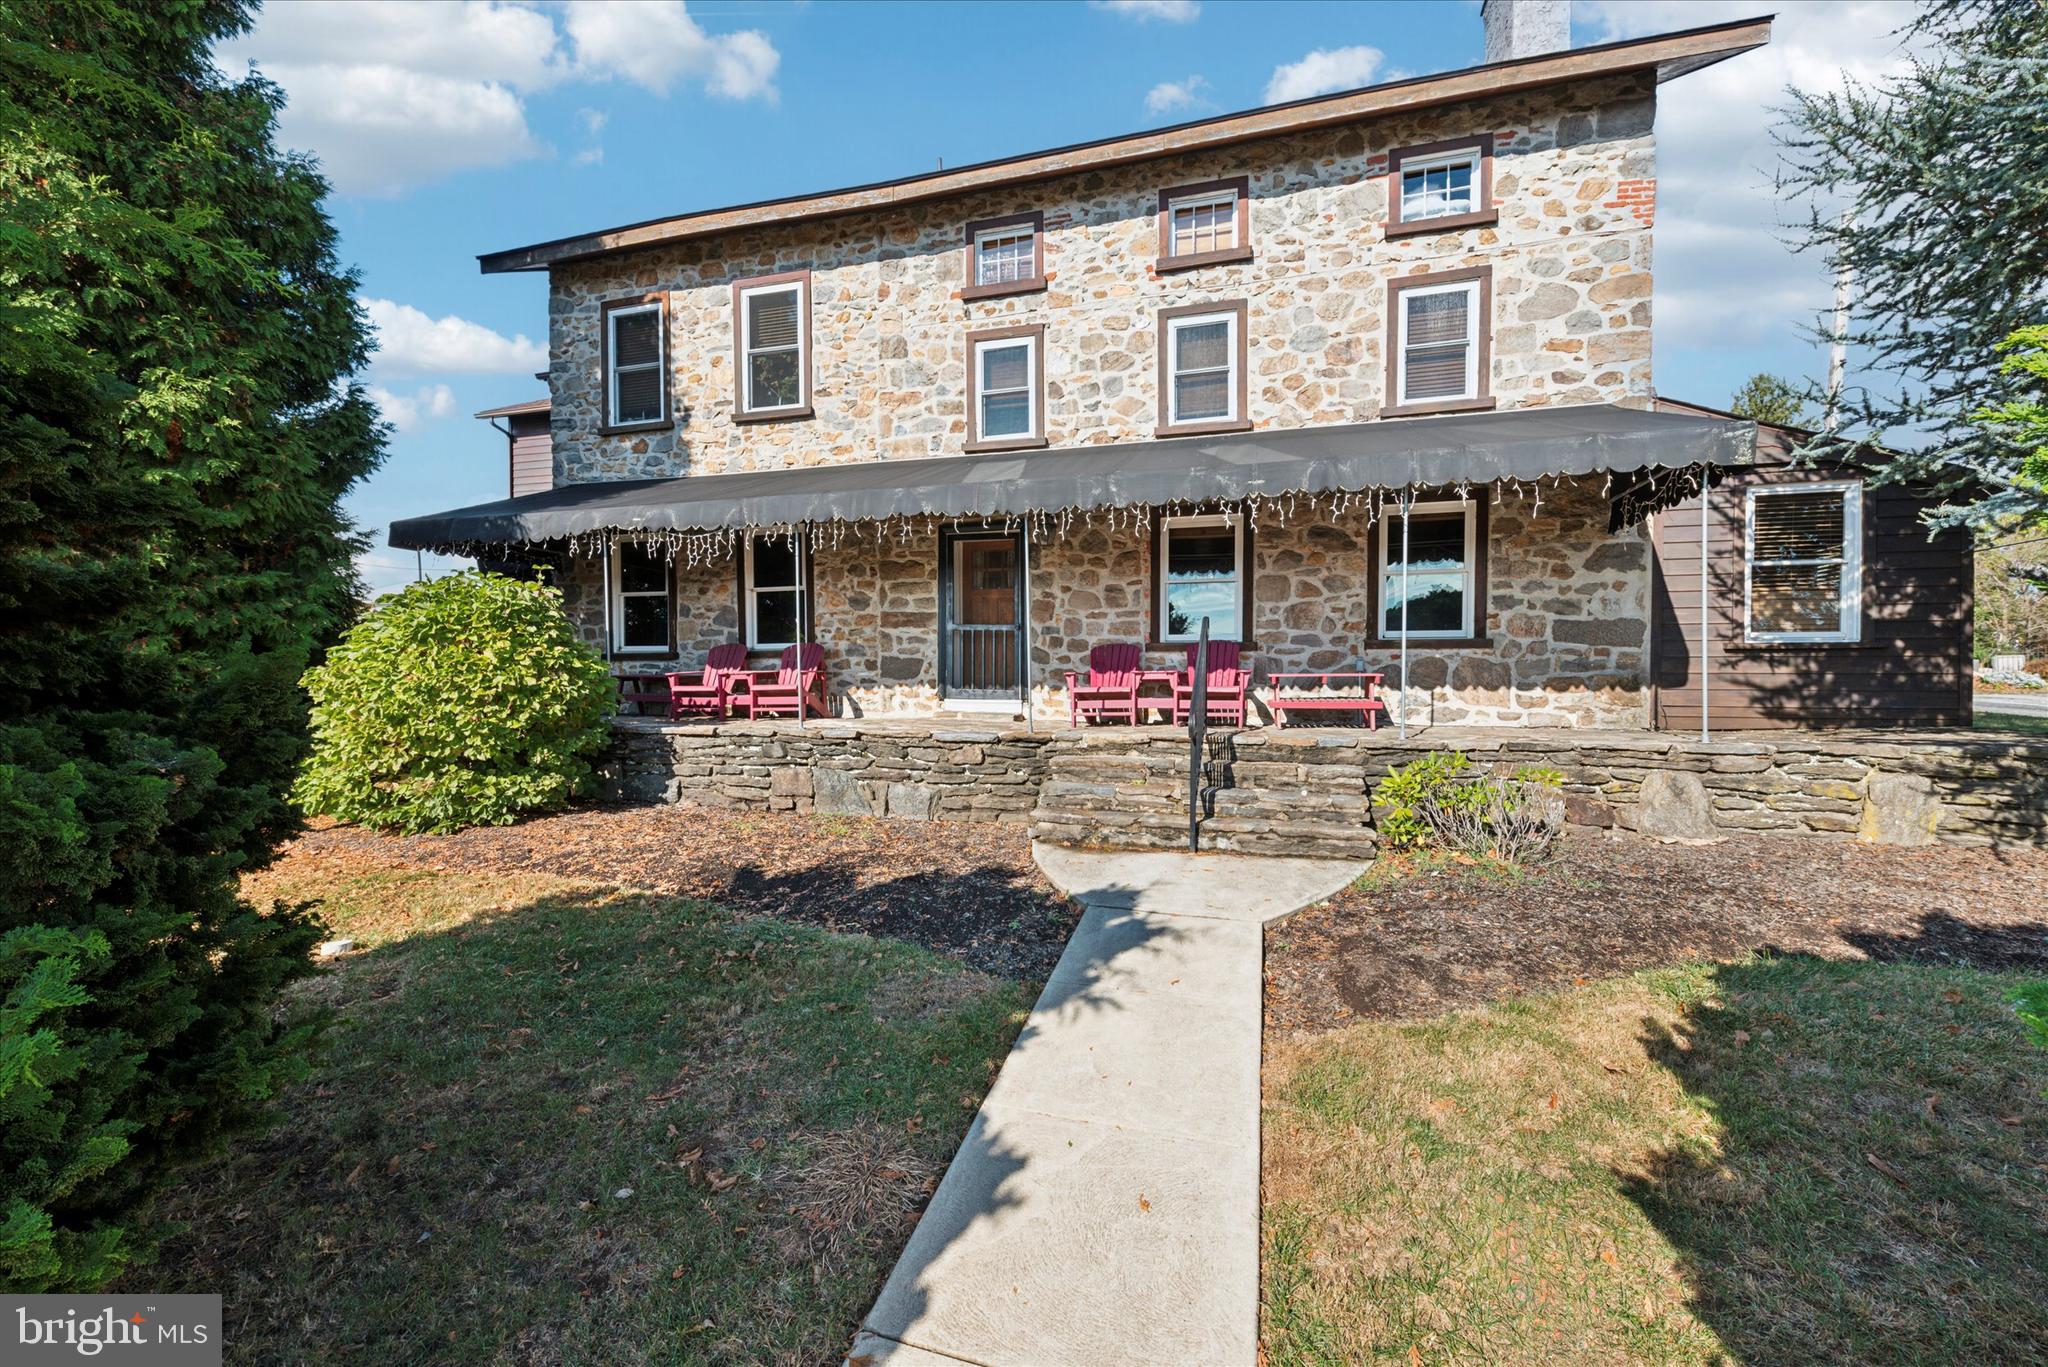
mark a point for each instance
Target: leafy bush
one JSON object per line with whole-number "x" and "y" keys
{"x": 461, "y": 701}
{"x": 1437, "y": 800}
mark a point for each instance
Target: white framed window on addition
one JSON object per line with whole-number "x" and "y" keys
{"x": 643, "y": 601}
{"x": 1803, "y": 563}
{"x": 1443, "y": 571}
{"x": 1201, "y": 574}
{"x": 771, "y": 591}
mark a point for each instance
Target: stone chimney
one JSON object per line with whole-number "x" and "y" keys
{"x": 1525, "y": 28}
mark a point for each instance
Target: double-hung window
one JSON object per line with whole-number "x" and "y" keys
{"x": 1201, "y": 576}
{"x": 1202, "y": 368}
{"x": 1204, "y": 225}
{"x": 1005, "y": 256}
{"x": 1006, "y": 383}
{"x": 772, "y": 591}
{"x": 1804, "y": 563}
{"x": 636, "y": 394}
{"x": 773, "y": 343}
{"x": 1437, "y": 352}
{"x": 643, "y": 606}
{"x": 1440, "y": 186}
{"x": 1429, "y": 577}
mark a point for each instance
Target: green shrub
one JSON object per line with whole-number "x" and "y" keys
{"x": 1438, "y": 801}
{"x": 463, "y": 701}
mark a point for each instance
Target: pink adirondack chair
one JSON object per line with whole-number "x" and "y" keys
{"x": 1110, "y": 692}
{"x": 708, "y": 690}
{"x": 1228, "y": 685}
{"x": 798, "y": 685}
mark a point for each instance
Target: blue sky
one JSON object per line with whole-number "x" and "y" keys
{"x": 454, "y": 129}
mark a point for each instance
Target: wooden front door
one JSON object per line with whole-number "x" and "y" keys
{"x": 980, "y": 610}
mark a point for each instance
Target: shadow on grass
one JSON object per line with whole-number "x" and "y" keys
{"x": 1879, "y": 1189}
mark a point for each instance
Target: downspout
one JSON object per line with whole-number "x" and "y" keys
{"x": 506, "y": 433}
{"x": 1025, "y": 535}
{"x": 1407, "y": 499}
{"x": 1705, "y": 623}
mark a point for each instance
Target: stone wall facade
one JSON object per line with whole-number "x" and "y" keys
{"x": 1570, "y": 255}
{"x": 1567, "y": 606}
{"x": 1897, "y": 789}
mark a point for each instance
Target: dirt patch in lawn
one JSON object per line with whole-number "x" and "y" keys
{"x": 1413, "y": 940}
{"x": 968, "y": 891}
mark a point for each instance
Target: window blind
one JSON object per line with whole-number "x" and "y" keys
{"x": 1438, "y": 344}
{"x": 1799, "y": 555}
{"x": 772, "y": 320}
{"x": 636, "y": 365}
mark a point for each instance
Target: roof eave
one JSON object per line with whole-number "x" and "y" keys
{"x": 1670, "y": 55}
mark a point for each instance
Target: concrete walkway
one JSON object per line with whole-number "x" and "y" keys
{"x": 1104, "y": 1206}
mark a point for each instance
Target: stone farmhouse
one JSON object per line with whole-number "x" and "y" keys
{"x": 1363, "y": 381}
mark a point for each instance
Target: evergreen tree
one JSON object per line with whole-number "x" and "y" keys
{"x": 1766, "y": 398}
{"x": 1943, "y": 172}
{"x": 176, "y": 432}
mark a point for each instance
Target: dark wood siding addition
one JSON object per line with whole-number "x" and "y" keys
{"x": 533, "y": 454}
{"x": 1911, "y": 667}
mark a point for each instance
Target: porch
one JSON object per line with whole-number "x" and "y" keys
{"x": 1308, "y": 790}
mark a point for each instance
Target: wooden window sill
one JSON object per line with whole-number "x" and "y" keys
{"x": 774, "y": 414}
{"x": 975, "y": 448}
{"x": 629, "y": 428}
{"x": 1035, "y": 285}
{"x": 1419, "y": 410}
{"x": 1202, "y": 429}
{"x": 1448, "y": 223}
{"x": 1433, "y": 643}
{"x": 1161, "y": 647}
{"x": 1167, "y": 264}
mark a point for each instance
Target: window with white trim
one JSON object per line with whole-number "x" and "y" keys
{"x": 1201, "y": 354}
{"x": 641, "y": 601}
{"x": 1003, "y": 256}
{"x": 634, "y": 392}
{"x": 1201, "y": 575}
{"x": 1006, "y": 389}
{"x": 1198, "y": 224}
{"x": 1439, "y": 186}
{"x": 1436, "y": 355}
{"x": 774, "y": 591}
{"x": 772, "y": 344}
{"x": 1441, "y": 600}
{"x": 1803, "y": 578}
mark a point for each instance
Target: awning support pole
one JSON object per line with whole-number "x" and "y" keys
{"x": 1407, "y": 499}
{"x": 803, "y": 584}
{"x": 1025, "y": 536}
{"x": 1705, "y": 622}
{"x": 604, "y": 555}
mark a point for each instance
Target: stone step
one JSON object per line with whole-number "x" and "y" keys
{"x": 1159, "y": 831}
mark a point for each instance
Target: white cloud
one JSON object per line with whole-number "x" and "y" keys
{"x": 654, "y": 45}
{"x": 410, "y": 342}
{"x": 1323, "y": 71}
{"x": 1168, "y": 96}
{"x": 393, "y": 95}
{"x": 407, "y": 412}
{"x": 1719, "y": 220}
{"x": 1144, "y": 11}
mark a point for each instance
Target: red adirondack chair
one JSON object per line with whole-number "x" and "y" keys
{"x": 1228, "y": 686}
{"x": 708, "y": 690}
{"x": 1111, "y": 690}
{"x": 798, "y": 685}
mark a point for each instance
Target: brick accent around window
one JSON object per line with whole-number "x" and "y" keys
{"x": 1639, "y": 197}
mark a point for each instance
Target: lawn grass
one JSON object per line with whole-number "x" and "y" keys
{"x": 1781, "y": 1160}
{"x": 556, "y": 1122}
{"x": 2011, "y": 724}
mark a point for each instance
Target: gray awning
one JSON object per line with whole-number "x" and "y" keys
{"x": 1522, "y": 444}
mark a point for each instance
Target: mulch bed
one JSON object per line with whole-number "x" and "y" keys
{"x": 969, "y": 891}
{"x": 1415, "y": 946}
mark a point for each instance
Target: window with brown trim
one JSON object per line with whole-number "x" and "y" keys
{"x": 1203, "y": 385}
{"x": 1444, "y": 554}
{"x": 771, "y": 341}
{"x": 1205, "y": 225}
{"x": 633, "y": 349}
{"x": 1439, "y": 343}
{"x": 1437, "y": 187}
{"x": 1202, "y": 565}
{"x": 1006, "y": 389}
{"x": 1005, "y": 256}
